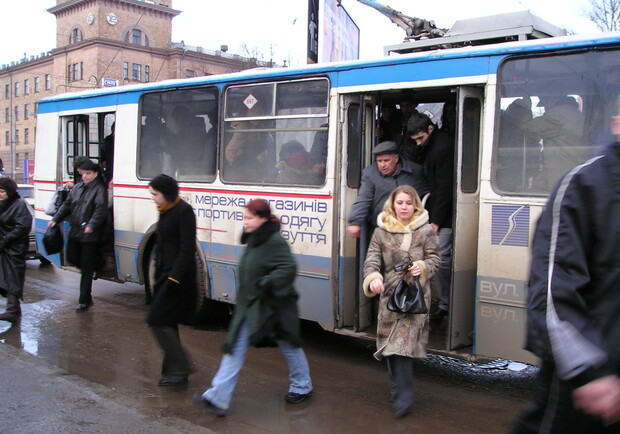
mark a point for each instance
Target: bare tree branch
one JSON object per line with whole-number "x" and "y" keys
{"x": 605, "y": 14}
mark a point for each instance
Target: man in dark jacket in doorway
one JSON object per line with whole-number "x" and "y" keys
{"x": 86, "y": 208}
{"x": 574, "y": 301}
{"x": 434, "y": 149}
{"x": 378, "y": 180}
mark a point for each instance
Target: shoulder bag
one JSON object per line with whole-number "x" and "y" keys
{"x": 407, "y": 297}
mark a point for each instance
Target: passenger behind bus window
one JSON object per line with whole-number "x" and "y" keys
{"x": 519, "y": 153}
{"x": 210, "y": 152}
{"x": 448, "y": 119}
{"x": 249, "y": 155}
{"x": 294, "y": 166}
{"x": 185, "y": 138}
{"x": 390, "y": 122}
{"x": 151, "y": 150}
{"x": 106, "y": 152}
{"x": 318, "y": 153}
{"x": 561, "y": 131}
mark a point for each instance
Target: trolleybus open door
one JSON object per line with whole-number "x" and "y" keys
{"x": 466, "y": 216}
{"x": 355, "y": 309}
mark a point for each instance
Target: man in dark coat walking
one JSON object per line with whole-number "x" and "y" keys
{"x": 574, "y": 304}
{"x": 15, "y": 225}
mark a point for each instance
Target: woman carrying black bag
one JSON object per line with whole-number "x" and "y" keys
{"x": 15, "y": 225}
{"x": 403, "y": 235}
{"x": 86, "y": 208}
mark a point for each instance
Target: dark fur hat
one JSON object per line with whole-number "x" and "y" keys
{"x": 166, "y": 185}
{"x": 8, "y": 185}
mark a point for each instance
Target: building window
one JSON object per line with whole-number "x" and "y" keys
{"x": 16, "y": 92}
{"x": 16, "y": 113}
{"x": 26, "y": 87}
{"x": 125, "y": 69}
{"x": 75, "y": 37}
{"x": 26, "y": 111}
{"x": 6, "y": 138}
{"x": 16, "y": 140}
{"x": 136, "y": 37}
{"x": 16, "y": 154}
{"x": 147, "y": 73}
{"x": 7, "y": 91}
{"x": 7, "y": 115}
{"x": 136, "y": 71}
{"x": 48, "y": 81}
{"x": 189, "y": 73}
{"x": 37, "y": 85}
{"x": 75, "y": 71}
{"x": 26, "y": 138}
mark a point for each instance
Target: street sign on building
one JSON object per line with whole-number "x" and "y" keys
{"x": 109, "y": 82}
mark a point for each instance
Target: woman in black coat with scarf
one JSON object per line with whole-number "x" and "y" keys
{"x": 175, "y": 278}
{"x": 15, "y": 225}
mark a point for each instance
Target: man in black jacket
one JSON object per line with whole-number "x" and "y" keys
{"x": 574, "y": 301}
{"x": 434, "y": 149}
{"x": 86, "y": 208}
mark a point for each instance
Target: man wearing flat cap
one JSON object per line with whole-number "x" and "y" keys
{"x": 378, "y": 180}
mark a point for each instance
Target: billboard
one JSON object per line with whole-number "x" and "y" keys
{"x": 313, "y": 31}
{"x": 339, "y": 35}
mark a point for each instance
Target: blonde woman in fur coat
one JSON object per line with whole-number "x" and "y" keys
{"x": 403, "y": 234}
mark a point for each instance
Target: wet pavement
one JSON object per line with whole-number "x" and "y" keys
{"x": 108, "y": 351}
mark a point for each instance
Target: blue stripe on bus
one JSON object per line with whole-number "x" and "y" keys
{"x": 377, "y": 74}
{"x": 469, "y": 61}
{"x": 419, "y": 71}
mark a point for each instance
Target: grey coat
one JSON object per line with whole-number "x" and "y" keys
{"x": 376, "y": 188}
{"x": 391, "y": 243}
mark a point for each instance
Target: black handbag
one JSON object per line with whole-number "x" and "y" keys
{"x": 408, "y": 297}
{"x": 53, "y": 240}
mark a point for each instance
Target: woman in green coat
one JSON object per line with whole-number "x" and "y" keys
{"x": 265, "y": 312}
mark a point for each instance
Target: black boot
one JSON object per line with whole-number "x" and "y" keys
{"x": 176, "y": 366}
{"x": 400, "y": 369}
{"x": 13, "y": 309}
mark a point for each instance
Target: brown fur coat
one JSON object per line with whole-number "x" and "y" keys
{"x": 392, "y": 243}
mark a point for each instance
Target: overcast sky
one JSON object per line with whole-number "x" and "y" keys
{"x": 276, "y": 28}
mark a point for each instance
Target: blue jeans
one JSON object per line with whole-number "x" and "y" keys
{"x": 444, "y": 274}
{"x": 225, "y": 380}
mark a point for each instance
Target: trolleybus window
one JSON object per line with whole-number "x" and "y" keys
{"x": 82, "y": 137}
{"x": 553, "y": 115}
{"x": 178, "y": 134}
{"x": 276, "y": 133}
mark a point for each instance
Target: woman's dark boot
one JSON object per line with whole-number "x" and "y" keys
{"x": 13, "y": 309}
{"x": 400, "y": 369}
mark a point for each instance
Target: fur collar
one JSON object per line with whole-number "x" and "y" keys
{"x": 261, "y": 234}
{"x": 391, "y": 224}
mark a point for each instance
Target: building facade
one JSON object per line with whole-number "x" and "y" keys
{"x": 99, "y": 43}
